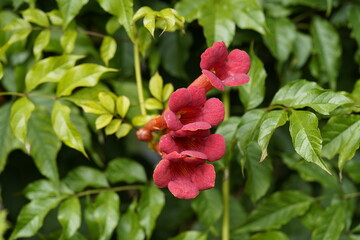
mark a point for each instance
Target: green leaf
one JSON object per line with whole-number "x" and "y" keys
{"x": 82, "y": 177}
{"x": 341, "y": 136}
{"x": 355, "y": 93}
{"x": 320, "y": 4}
{"x": 4, "y": 224}
{"x": 129, "y": 225}
{"x": 43, "y": 189}
{"x": 69, "y": 9}
{"x": 41, "y": 42}
{"x": 1, "y": 71}
{"x": 19, "y": 117}
{"x": 107, "y": 101}
{"x": 122, "y": 105}
{"x": 69, "y": 216}
{"x": 248, "y": 14}
{"x": 84, "y": 75}
{"x": 123, "y": 9}
{"x": 140, "y": 120}
{"x": 228, "y": 129}
{"x": 124, "y": 130}
{"x": 149, "y": 22}
{"x": 354, "y": 22}
{"x": 8, "y": 141}
{"x": 55, "y": 17}
{"x": 191, "y": 235}
{"x": 65, "y": 129}
{"x": 327, "y": 48}
{"x": 208, "y": 206}
{"x": 31, "y": 217}
{"x": 275, "y": 211}
{"x": 68, "y": 40}
{"x": 302, "y": 49}
{"x": 44, "y": 144}
{"x": 331, "y": 223}
{"x": 93, "y": 107}
{"x": 112, "y": 25}
{"x": 302, "y": 93}
{"x": 50, "y": 69}
{"x": 156, "y": 86}
{"x": 151, "y": 203}
{"x": 269, "y": 235}
{"x": 153, "y": 104}
{"x": 125, "y": 170}
{"x": 113, "y": 126}
{"x": 107, "y": 49}
{"x": 102, "y": 216}
{"x": 258, "y": 174}
{"x": 280, "y": 37}
{"x": 167, "y": 91}
{"x": 36, "y": 16}
{"x": 190, "y": 9}
{"x": 103, "y": 120}
{"x": 270, "y": 122}
{"x": 253, "y": 93}
{"x": 217, "y": 25}
{"x": 306, "y": 137}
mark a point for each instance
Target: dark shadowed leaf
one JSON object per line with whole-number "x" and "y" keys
{"x": 125, "y": 170}
{"x": 269, "y": 235}
{"x": 129, "y": 227}
{"x": 69, "y": 9}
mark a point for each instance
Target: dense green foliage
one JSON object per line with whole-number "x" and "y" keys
{"x": 78, "y": 77}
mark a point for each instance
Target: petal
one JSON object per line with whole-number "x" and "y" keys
{"x": 236, "y": 80}
{"x": 214, "y": 56}
{"x": 172, "y": 121}
{"x": 214, "y": 80}
{"x": 162, "y": 175}
{"x": 195, "y": 154}
{"x": 179, "y": 99}
{"x": 183, "y": 188}
{"x": 214, "y": 147}
{"x": 238, "y": 62}
{"x": 198, "y": 96}
{"x": 167, "y": 144}
{"x": 204, "y": 177}
{"x": 213, "y": 111}
{"x": 174, "y": 156}
{"x": 195, "y": 126}
{"x": 184, "y": 133}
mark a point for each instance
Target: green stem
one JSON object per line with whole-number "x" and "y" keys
{"x": 115, "y": 189}
{"x": 12, "y": 94}
{"x": 225, "y": 235}
{"x": 138, "y": 79}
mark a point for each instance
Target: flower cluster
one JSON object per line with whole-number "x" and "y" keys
{"x": 187, "y": 144}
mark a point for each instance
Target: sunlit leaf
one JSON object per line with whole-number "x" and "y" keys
{"x": 122, "y": 105}
{"x": 69, "y": 216}
{"x": 125, "y": 170}
{"x": 43, "y": 189}
{"x": 19, "y": 117}
{"x": 41, "y": 42}
{"x": 107, "y": 101}
{"x": 1, "y": 71}
{"x": 107, "y": 49}
{"x": 275, "y": 211}
{"x": 153, "y": 104}
{"x": 36, "y": 16}
{"x": 151, "y": 203}
{"x": 50, "y": 69}
{"x": 84, "y": 75}
{"x": 341, "y": 136}
{"x": 270, "y": 122}
{"x": 306, "y": 137}
{"x": 102, "y": 216}
{"x": 93, "y": 107}
{"x": 167, "y": 91}
{"x": 65, "y": 129}
{"x": 55, "y": 17}
{"x": 44, "y": 144}
{"x": 190, "y": 9}
{"x": 327, "y": 48}
{"x": 253, "y": 93}
{"x": 124, "y": 130}
{"x": 31, "y": 217}
{"x": 68, "y": 40}
{"x": 69, "y": 9}
{"x": 208, "y": 206}
{"x": 156, "y": 86}
{"x": 82, "y": 177}
{"x": 302, "y": 93}
{"x": 113, "y": 126}
{"x": 269, "y": 235}
{"x": 191, "y": 235}
{"x": 103, "y": 120}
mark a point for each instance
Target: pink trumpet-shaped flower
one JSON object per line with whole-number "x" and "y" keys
{"x": 226, "y": 69}
{"x": 184, "y": 178}
{"x": 189, "y": 110}
{"x": 200, "y": 142}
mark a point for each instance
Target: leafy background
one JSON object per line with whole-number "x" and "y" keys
{"x": 69, "y": 68}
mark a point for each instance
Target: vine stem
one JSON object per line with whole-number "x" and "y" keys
{"x": 139, "y": 79}
{"x": 115, "y": 189}
{"x": 225, "y": 234}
